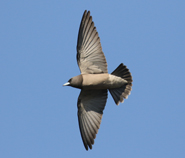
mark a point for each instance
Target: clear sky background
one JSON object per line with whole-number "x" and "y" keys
{"x": 38, "y": 116}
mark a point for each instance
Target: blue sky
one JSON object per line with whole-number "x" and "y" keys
{"x": 38, "y": 116}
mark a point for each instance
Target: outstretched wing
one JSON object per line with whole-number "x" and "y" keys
{"x": 90, "y": 57}
{"x": 91, "y": 104}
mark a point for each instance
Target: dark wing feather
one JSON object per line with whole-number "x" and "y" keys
{"x": 91, "y": 104}
{"x": 90, "y": 57}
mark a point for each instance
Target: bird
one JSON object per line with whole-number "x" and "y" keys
{"x": 95, "y": 81}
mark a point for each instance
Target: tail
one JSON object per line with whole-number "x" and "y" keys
{"x": 121, "y": 93}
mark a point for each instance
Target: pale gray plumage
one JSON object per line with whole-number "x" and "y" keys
{"x": 94, "y": 81}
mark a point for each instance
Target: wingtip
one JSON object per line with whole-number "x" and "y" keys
{"x": 86, "y": 11}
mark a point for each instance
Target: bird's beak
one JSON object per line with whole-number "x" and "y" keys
{"x": 66, "y": 84}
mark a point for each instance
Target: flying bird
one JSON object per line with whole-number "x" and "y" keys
{"x": 94, "y": 81}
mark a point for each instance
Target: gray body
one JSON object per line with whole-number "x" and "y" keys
{"x": 97, "y": 81}
{"x": 94, "y": 81}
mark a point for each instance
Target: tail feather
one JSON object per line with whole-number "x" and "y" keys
{"x": 119, "y": 94}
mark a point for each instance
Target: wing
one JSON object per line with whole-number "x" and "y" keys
{"x": 91, "y": 104}
{"x": 90, "y": 57}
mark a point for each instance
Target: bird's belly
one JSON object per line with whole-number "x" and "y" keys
{"x": 102, "y": 81}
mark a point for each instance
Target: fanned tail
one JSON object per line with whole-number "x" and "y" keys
{"x": 119, "y": 94}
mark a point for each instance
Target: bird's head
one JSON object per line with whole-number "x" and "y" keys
{"x": 75, "y": 82}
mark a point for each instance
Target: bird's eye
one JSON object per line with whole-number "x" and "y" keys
{"x": 69, "y": 80}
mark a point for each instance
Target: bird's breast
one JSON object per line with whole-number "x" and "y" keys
{"x": 102, "y": 81}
